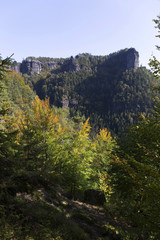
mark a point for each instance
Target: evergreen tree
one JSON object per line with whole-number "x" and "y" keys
{"x": 7, "y": 141}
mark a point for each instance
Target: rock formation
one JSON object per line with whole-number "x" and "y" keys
{"x": 73, "y": 66}
{"x": 50, "y": 65}
{"x": 30, "y": 67}
{"x": 132, "y": 59}
{"x": 127, "y": 59}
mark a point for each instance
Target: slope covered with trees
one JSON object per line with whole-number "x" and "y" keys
{"x": 111, "y": 90}
{"x": 14, "y": 92}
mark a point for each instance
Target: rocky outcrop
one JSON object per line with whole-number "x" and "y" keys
{"x": 73, "y": 66}
{"x": 68, "y": 103}
{"x": 127, "y": 59}
{"x": 33, "y": 67}
{"x": 124, "y": 59}
{"x": 30, "y": 67}
{"x": 65, "y": 101}
{"x": 70, "y": 65}
{"x": 16, "y": 67}
{"x": 50, "y": 65}
{"x": 132, "y": 59}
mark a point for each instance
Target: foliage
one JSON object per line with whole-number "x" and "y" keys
{"x": 136, "y": 180}
{"x": 7, "y": 140}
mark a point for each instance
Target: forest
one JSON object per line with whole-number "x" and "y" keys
{"x": 86, "y": 171}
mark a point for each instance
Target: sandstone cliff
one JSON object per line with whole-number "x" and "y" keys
{"x": 128, "y": 58}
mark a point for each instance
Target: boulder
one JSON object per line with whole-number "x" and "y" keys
{"x": 94, "y": 197}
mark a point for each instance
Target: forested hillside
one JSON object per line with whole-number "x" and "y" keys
{"x": 15, "y": 93}
{"x": 111, "y": 90}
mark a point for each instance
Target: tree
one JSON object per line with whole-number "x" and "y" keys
{"x": 35, "y": 126}
{"x": 72, "y": 156}
{"x": 7, "y": 142}
{"x": 104, "y": 147}
{"x": 154, "y": 63}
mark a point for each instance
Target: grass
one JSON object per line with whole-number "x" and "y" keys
{"x": 37, "y": 221}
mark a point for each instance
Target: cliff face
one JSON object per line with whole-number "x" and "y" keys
{"x": 16, "y": 67}
{"x": 50, "y": 65}
{"x": 30, "y": 67}
{"x": 132, "y": 59}
{"x": 128, "y": 59}
{"x": 73, "y": 66}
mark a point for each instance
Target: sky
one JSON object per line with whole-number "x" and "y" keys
{"x": 64, "y": 28}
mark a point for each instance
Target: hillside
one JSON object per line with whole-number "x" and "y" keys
{"x": 51, "y": 214}
{"x": 15, "y": 93}
{"x": 111, "y": 90}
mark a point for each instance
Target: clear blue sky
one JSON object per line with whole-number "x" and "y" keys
{"x": 61, "y": 28}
